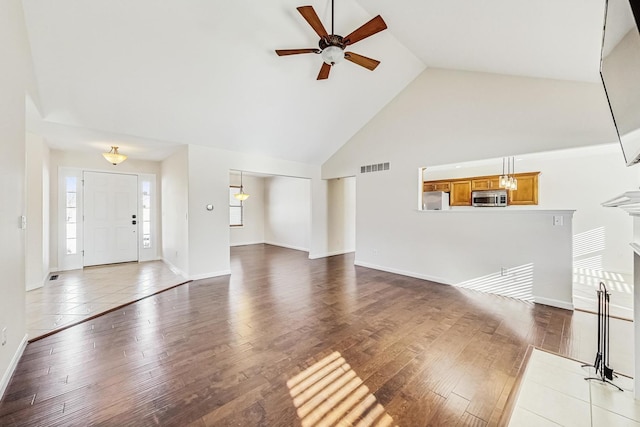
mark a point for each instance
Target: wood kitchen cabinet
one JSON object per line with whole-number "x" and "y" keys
{"x": 437, "y": 186}
{"x": 485, "y": 183}
{"x": 527, "y": 192}
{"x": 460, "y": 194}
{"x": 460, "y": 189}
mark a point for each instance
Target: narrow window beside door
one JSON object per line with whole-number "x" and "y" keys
{"x": 235, "y": 208}
{"x": 146, "y": 214}
{"x": 71, "y": 210}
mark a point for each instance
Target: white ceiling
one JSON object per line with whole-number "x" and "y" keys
{"x": 134, "y": 72}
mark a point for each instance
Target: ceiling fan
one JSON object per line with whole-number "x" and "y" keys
{"x": 332, "y": 46}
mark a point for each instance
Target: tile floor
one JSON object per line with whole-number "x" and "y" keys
{"x": 554, "y": 392}
{"x": 79, "y": 294}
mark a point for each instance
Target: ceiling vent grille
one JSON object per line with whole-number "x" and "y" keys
{"x": 378, "y": 167}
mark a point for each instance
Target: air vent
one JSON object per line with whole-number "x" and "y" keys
{"x": 378, "y": 167}
{"x": 53, "y": 277}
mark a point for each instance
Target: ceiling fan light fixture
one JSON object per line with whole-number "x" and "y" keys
{"x": 113, "y": 156}
{"x": 332, "y": 55}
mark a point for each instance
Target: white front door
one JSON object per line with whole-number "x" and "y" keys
{"x": 110, "y": 218}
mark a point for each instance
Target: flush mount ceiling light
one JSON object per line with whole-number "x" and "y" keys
{"x": 242, "y": 196}
{"x": 114, "y": 157}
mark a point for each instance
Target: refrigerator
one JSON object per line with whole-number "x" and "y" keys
{"x": 435, "y": 201}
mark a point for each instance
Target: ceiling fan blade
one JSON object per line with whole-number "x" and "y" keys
{"x": 310, "y": 15}
{"x": 376, "y": 25}
{"x": 324, "y": 71}
{"x": 283, "y": 52}
{"x": 363, "y": 61}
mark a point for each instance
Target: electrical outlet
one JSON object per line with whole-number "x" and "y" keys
{"x": 504, "y": 271}
{"x": 558, "y": 220}
{"x": 4, "y": 336}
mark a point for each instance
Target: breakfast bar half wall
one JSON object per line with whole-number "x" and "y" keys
{"x": 512, "y": 251}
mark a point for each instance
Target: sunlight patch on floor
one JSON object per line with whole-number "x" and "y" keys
{"x": 586, "y": 282}
{"x": 330, "y": 393}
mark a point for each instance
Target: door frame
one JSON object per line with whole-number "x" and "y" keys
{"x": 75, "y": 261}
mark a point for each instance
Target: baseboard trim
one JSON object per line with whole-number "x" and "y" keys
{"x": 12, "y": 366}
{"x": 175, "y": 269}
{"x": 210, "y": 275}
{"x": 328, "y": 254}
{"x": 233, "y": 245}
{"x": 538, "y": 300}
{"x": 297, "y": 248}
{"x": 157, "y": 258}
{"x": 404, "y": 273}
{"x": 553, "y": 302}
{"x": 42, "y": 282}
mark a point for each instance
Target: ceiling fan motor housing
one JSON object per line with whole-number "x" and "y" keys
{"x": 332, "y": 40}
{"x": 332, "y": 49}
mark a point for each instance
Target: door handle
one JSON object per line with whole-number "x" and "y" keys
{"x": 134, "y": 222}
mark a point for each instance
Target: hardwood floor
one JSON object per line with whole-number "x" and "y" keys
{"x": 287, "y": 341}
{"x": 77, "y": 295}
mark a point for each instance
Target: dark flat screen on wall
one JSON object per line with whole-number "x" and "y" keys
{"x": 620, "y": 72}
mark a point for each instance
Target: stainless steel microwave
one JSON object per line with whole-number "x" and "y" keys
{"x": 489, "y": 198}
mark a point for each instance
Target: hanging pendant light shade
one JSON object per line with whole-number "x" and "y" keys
{"x": 114, "y": 157}
{"x": 504, "y": 179}
{"x": 513, "y": 182}
{"x": 508, "y": 180}
{"x": 242, "y": 196}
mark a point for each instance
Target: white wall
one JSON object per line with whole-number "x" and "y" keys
{"x": 342, "y": 215}
{"x": 580, "y": 179}
{"x": 287, "y": 212}
{"x": 37, "y": 250}
{"x": 14, "y": 83}
{"x": 449, "y": 117}
{"x": 318, "y": 244}
{"x": 204, "y": 235}
{"x": 175, "y": 204}
{"x": 208, "y": 230}
{"x": 91, "y": 162}
{"x": 252, "y": 232}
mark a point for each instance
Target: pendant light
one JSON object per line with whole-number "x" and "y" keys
{"x": 508, "y": 181}
{"x": 513, "y": 182}
{"x": 503, "y": 178}
{"x": 114, "y": 157}
{"x": 242, "y": 196}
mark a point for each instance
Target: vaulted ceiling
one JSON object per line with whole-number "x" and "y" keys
{"x": 143, "y": 73}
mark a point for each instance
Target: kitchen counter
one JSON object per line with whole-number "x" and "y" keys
{"x": 500, "y": 210}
